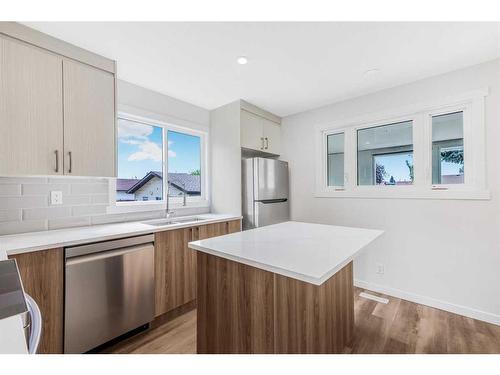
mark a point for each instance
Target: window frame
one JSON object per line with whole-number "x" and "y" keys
{"x": 474, "y": 186}
{"x": 174, "y": 202}
{"x": 328, "y": 133}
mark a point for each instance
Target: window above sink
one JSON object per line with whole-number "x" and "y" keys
{"x": 148, "y": 150}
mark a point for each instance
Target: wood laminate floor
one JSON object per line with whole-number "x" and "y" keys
{"x": 397, "y": 327}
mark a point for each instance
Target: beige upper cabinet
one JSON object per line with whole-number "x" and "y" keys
{"x": 57, "y": 106}
{"x": 259, "y": 133}
{"x": 272, "y": 136}
{"x": 89, "y": 117}
{"x": 31, "y": 117}
{"x": 251, "y": 131}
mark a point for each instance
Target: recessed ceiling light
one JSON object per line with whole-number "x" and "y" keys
{"x": 242, "y": 60}
{"x": 371, "y": 72}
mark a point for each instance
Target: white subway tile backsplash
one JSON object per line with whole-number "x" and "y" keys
{"x": 69, "y": 222}
{"x": 23, "y": 202}
{"x": 14, "y": 227}
{"x": 100, "y": 198}
{"x": 133, "y": 216}
{"x": 89, "y": 210}
{"x": 75, "y": 200}
{"x": 11, "y": 215}
{"x": 44, "y": 189}
{"x": 23, "y": 180}
{"x": 10, "y": 189}
{"x": 76, "y": 180}
{"x": 97, "y": 188}
{"x": 46, "y": 213}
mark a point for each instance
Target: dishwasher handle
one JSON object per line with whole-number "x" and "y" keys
{"x": 107, "y": 254}
{"x": 98, "y": 247}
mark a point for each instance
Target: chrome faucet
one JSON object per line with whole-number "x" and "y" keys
{"x": 184, "y": 194}
{"x": 168, "y": 213}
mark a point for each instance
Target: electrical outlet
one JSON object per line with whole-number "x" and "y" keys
{"x": 56, "y": 197}
{"x": 380, "y": 268}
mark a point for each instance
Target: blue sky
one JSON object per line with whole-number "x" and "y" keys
{"x": 140, "y": 150}
{"x": 187, "y": 150}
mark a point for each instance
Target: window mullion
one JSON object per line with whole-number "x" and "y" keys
{"x": 421, "y": 151}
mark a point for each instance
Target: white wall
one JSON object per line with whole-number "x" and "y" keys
{"x": 225, "y": 155}
{"x": 143, "y": 102}
{"x": 444, "y": 253}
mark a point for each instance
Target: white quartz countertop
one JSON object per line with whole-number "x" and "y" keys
{"x": 304, "y": 251}
{"x": 27, "y": 242}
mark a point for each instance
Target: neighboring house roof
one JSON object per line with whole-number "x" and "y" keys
{"x": 123, "y": 184}
{"x": 183, "y": 181}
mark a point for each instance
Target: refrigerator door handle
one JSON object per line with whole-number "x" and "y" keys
{"x": 269, "y": 201}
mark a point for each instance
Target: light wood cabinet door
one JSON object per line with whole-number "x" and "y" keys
{"x": 175, "y": 269}
{"x": 89, "y": 120}
{"x": 31, "y": 115}
{"x": 251, "y": 133}
{"x": 272, "y": 136}
{"x": 219, "y": 229}
{"x": 212, "y": 230}
{"x": 42, "y": 275}
{"x": 233, "y": 226}
{"x": 175, "y": 263}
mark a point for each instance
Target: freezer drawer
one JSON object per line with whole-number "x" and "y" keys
{"x": 107, "y": 293}
{"x": 271, "y": 212}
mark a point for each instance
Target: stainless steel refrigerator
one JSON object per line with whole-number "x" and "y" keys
{"x": 265, "y": 192}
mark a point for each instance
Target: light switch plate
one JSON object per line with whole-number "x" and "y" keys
{"x": 56, "y": 197}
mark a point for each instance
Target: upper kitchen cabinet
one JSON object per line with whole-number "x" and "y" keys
{"x": 57, "y": 106}
{"x": 89, "y": 117}
{"x": 31, "y": 117}
{"x": 259, "y": 130}
{"x": 271, "y": 132}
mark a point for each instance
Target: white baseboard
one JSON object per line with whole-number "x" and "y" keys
{"x": 428, "y": 301}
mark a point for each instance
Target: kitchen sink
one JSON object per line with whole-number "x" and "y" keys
{"x": 180, "y": 220}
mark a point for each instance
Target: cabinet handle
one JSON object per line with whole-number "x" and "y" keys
{"x": 261, "y": 143}
{"x": 70, "y": 162}
{"x": 56, "y": 153}
{"x": 267, "y": 143}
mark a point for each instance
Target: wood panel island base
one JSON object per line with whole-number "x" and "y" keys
{"x": 242, "y": 309}
{"x": 285, "y": 288}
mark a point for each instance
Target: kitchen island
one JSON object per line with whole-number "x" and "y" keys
{"x": 283, "y": 288}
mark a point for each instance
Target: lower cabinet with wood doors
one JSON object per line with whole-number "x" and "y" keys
{"x": 42, "y": 274}
{"x": 175, "y": 263}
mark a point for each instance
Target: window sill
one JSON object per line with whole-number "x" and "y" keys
{"x": 148, "y": 206}
{"x": 391, "y": 192}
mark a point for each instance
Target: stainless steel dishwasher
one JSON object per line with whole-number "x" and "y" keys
{"x": 109, "y": 291}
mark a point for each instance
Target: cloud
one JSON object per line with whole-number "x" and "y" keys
{"x": 171, "y": 153}
{"x": 131, "y": 141}
{"x": 147, "y": 151}
{"x": 129, "y": 129}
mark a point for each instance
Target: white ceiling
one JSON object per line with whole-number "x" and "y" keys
{"x": 292, "y": 66}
